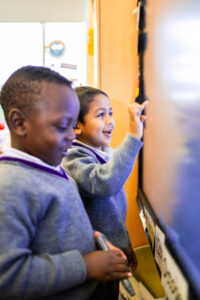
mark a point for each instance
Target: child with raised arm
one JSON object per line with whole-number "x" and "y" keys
{"x": 100, "y": 172}
{"x": 47, "y": 248}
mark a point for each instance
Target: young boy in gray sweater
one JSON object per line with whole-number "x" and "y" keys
{"x": 47, "y": 248}
{"x": 100, "y": 172}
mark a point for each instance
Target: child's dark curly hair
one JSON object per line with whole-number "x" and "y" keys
{"x": 24, "y": 88}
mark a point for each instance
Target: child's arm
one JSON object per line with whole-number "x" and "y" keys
{"x": 35, "y": 265}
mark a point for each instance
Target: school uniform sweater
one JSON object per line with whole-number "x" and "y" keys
{"x": 44, "y": 231}
{"x": 101, "y": 180}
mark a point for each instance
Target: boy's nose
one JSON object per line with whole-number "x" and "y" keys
{"x": 70, "y": 135}
{"x": 109, "y": 119}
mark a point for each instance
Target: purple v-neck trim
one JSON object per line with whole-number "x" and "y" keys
{"x": 100, "y": 159}
{"x": 35, "y": 165}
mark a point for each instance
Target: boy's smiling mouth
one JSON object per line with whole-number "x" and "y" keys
{"x": 107, "y": 132}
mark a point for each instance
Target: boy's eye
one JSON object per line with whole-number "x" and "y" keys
{"x": 110, "y": 113}
{"x": 61, "y": 128}
{"x": 101, "y": 115}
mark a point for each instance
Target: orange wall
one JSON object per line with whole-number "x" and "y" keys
{"x": 117, "y": 76}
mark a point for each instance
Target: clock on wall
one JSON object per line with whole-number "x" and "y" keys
{"x": 57, "y": 48}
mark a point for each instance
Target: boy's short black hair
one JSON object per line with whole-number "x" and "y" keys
{"x": 23, "y": 88}
{"x": 86, "y": 95}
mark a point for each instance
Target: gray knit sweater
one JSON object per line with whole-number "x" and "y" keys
{"x": 101, "y": 185}
{"x": 44, "y": 231}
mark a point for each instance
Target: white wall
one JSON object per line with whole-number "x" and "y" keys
{"x": 43, "y": 10}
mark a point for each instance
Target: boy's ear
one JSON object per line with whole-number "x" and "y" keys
{"x": 17, "y": 121}
{"x": 77, "y": 129}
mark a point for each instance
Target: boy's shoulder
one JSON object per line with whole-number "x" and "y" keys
{"x": 79, "y": 149}
{"x": 89, "y": 154}
{"x": 37, "y": 185}
{"x": 24, "y": 172}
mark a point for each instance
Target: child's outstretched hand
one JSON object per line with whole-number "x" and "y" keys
{"x": 136, "y": 118}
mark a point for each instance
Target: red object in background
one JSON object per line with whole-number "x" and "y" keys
{"x": 2, "y": 126}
